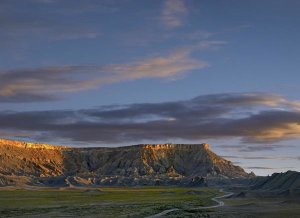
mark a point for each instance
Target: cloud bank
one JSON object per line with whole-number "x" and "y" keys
{"x": 250, "y": 117}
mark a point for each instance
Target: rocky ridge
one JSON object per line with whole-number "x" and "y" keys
{"x": 146, "y": 164}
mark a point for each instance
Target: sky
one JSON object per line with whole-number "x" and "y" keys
{"x": 120, "y": 72}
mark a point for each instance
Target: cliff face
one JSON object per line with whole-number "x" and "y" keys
{"x": 137, "y": 164}
{"x": 28, "y": 159}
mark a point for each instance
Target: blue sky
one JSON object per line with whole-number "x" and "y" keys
{"x": 223, "y": 72}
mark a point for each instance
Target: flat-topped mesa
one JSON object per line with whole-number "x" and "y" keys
{"x": 144, "y": 163}
{"x": 22, "y": 144}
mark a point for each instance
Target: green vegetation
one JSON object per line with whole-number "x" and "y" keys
{"x": 107, "y": 202}
{"x": 139, "y": 202}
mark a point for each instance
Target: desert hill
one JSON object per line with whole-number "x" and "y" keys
{"x": 287, "y": 183}
{"x": 146, "y": 164}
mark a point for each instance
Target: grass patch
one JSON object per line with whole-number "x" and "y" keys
{"x": 105, "y": 201}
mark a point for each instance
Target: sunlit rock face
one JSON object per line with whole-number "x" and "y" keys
{"x": 27, "y": 159}
{"x": 134, "y": 165}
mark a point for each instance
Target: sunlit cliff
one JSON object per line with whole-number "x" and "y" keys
{"x": 137, "y": 164}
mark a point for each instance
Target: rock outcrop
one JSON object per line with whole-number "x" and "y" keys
{"x": 146, "y": 164}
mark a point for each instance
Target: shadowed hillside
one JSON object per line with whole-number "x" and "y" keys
{"x": 287, "y": 183}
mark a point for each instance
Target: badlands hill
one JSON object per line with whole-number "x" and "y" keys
{"x": 287, "y": 183}
{"x": 148, "y": 164}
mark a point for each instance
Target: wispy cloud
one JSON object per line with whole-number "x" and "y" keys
{"x": 174, "y": 12}
{"x": 253, "y": 148}
{"x": 197, "y": 119}
{"x": 267, "y": 168}
{"x": 264, "y": 157}
{"x": 260, "y": 168}
{"x": 20, "y": 134}
{"x": 41, "y": 21}
{"x": 43, "y": 84}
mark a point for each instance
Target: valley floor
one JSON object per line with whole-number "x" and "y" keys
{"x": 136, "y": 202}
{"x": 248, "y": 208}
{"x": 100, "y": 202}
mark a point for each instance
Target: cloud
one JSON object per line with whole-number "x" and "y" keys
{"x": 39, "y": 84}
{"x": 267, "y": 168}
{"x": 44, "y": 29}
{"x": 197, "y": 119}
{"x": 269, "y": 126}
{"x": 261, "y": 168}
{"x": 264, "y": 157}
{"x": 40, "y": 21}
{"x": 253, "y": 148}
{"x": 173, "y": 13}
{"x": 175, "y": 64}
{"x": 48, "y": 83}
{"x": 20, "y": 134}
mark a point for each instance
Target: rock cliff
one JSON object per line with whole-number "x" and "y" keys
{"x": 146, "y": 164}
